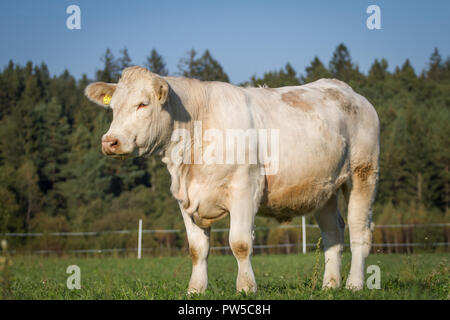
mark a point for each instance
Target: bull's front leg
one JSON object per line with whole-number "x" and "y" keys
{"x": 242, "y": 215}
{"x": 198, "y": 239}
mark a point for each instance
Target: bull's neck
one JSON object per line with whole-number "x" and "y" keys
{"x": 187, "y": 106}
{"x": 188, "y": 101}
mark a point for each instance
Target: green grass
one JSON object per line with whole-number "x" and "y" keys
{"x": 418, "y": 276}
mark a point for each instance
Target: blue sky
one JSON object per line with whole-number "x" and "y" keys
{"x": 246, "y": 37}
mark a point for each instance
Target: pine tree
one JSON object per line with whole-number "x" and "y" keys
{"x": 204, "y": 68}
{"x": 342, "y": 67}
{"x": 435, "y": 66}
{"x": 446, "y": 69}
{"x": 65, "y": 93}
{"x": 124, "y": 60}
{"x": 110, "y": 71}
{"x": 378, "y": 71}
{"x": 406, "y": 77}
{"x": 276, "y": 79}
{"x": 315, "y": 71}
{"x": 155, "y": 63}
{"x": 28, "y": 190}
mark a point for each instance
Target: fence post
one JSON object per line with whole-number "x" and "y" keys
{"x": 304, "y": 234}
{"x": 140, "y": 239}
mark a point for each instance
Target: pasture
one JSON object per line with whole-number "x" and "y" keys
{"x": 294, "y": 276}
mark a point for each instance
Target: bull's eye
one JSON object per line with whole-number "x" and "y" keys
{"x": 142, "y": 105}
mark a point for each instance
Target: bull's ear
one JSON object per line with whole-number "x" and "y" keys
{"x": 100, "y": 92}
{"x": 161, "y": 89}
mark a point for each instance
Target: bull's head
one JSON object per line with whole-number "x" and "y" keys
{"x": 141, "y": 123}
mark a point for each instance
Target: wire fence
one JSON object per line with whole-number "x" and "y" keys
{"x": 294, "y": 226}
{"x": 288, "y": 246}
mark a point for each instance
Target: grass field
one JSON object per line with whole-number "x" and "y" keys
{"x": 418, "y": 276}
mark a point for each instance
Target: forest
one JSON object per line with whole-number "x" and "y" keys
{"x": 54, "y": 177}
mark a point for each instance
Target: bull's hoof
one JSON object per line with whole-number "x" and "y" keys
{"x": 331, "y": 283}
{"x": 355, "y": 284}
{"x": 192, "y": 291}
{"x": 196, "y": 289}
{"x": 246, "y": 286}
{"x": 247, "y": 289}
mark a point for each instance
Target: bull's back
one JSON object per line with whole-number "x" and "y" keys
{"x": 323, "y": 128}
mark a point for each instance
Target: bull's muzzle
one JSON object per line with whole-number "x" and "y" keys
{"x": 110, "y": 145}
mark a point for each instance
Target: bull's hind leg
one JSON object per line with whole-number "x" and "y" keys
{"x": 332, "y": 226}
{"x": 361, "y": 197}
{"x": 198, "y": 239}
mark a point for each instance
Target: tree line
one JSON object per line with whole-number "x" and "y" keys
{"x": 53, "y": 176}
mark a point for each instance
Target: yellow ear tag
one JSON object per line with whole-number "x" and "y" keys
{"x": 107, "y": 99}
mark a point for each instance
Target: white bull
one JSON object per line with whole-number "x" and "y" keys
{"x": 326, "y": 138}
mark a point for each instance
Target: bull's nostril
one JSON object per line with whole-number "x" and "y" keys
{"x": 110, "y": 144}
